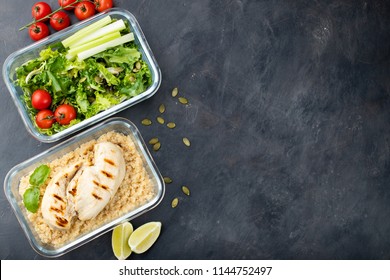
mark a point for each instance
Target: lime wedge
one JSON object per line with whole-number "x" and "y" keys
{"x": 144, "y": 237}
{"x": 119, "y": 241}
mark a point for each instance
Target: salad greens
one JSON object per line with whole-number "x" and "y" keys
{"x": 91, "y": 84}
{"x": 32, "y": 194}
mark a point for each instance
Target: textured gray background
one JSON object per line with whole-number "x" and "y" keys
{"x": 289, "y": 122}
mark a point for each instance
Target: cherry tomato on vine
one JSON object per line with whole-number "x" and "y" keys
{"x": 40, "y": 10}
{"x": 59, "y": 20}
{"x": 64, "y": 3}
{"x": 38, "y": 31}
{"x": 64, "y": 114}
{"x": 40, "y": 99}
{"x": 45, "y": 119}
{"x": 84, "y": 10}
{"x": 102, "y": 5}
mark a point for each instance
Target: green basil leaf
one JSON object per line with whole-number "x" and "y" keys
{"x": 39, "y": 175}
{"x": 31, "y": 199}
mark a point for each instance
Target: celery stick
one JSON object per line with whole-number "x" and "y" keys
{"x": 70, "y": 57}
{"x": 94, "y": 43}
{"x": 85, "y": 31}
{"x": 115, "y": 26}
{"x": 113, "y": 43}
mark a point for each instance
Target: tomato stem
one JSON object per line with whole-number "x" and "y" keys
{"x": 48, "y": 118}
{"x": 37, "y": 29}
{"x": 49, "y": 15}
{"x": 83, "y": 8}
{"x": 61, "y": 117}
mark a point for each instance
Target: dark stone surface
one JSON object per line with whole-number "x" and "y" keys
{"x": 289, "y": 123}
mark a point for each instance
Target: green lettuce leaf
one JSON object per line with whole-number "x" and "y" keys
{"x": 120, "y": 55}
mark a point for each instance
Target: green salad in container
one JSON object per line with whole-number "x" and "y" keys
{"x": 92, "y": 70}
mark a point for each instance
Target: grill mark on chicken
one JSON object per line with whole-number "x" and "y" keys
{"x": 58, "y": 197}
{"x": 73, "y": 192}
{"x": 57, "y": 183}
{"x": 62, "y": 222}
{"x": 108, "y": 175}
{"x": 100, "y": 185}
{"x": 56, "y": 210}
{"x": 96, "y": 196}
{"x": 110, "y": 162}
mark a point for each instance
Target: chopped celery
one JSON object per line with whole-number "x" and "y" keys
{"x": 86, "y": 31}
{"x": 113, "y": 43}
{"x": 113, "y": 27}
{"x": 74, "y": 51}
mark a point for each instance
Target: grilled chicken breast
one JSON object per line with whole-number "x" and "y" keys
{"x": 97, "y": 184}
{"x": 55, "y": 208}
{"x": 110, "y": 164}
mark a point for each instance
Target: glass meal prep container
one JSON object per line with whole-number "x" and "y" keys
{"x": 20, "y": 57}
{"x": 13, "y": 179}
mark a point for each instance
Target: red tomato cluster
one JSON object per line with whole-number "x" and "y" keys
{"x": 45, "y": 118}
{"x": 59, "y": 19}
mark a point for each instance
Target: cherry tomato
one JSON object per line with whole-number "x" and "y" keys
{"x": 84, "y": 10}
{"x": 64, "y": 3}
{"x": 102, "y": 5}
{"x": 45, "y": 119}
{"x": 38, "y": 31}
{"x": 40, "y": 10}
{"x": 41, "y": 99}
{"x": 59, "y": 20}
{"x": 65, "y": 113}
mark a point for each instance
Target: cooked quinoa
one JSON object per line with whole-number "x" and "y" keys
{"x": 135, "y": 190}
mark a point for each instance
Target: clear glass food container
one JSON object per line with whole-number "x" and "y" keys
{"x": 13, "y": 178}
{"x": 19, "y": 57}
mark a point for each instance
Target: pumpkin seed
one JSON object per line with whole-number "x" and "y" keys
{"x": 98, "y": 79}
{"x": 175, "y": 91}
{"x": 138, "y": 65}
{"x": 167, "y": 180}
{"x": 185, "y": 190}
{"x": 160, "y": 120}
{"x": 183, "y": 100}
{"x": 186, "y": 141}
{"x": 171, "y": 125}
{"x": 153, "y": 141}
{"x": 157, "y": 146}
{"x": 146, "y": 122}
{"x": 161, "y": 109}
{"x": 132, "y": 78}
{"x": 175, "y": 202}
